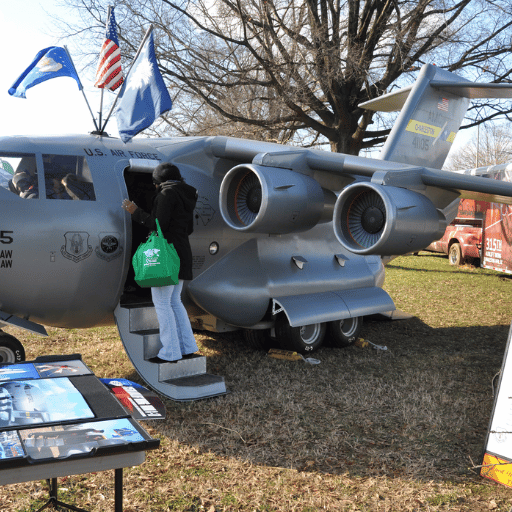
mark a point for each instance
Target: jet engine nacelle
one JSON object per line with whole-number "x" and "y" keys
{"x": 259, "y": 199}
{"x": 385, "y": 220}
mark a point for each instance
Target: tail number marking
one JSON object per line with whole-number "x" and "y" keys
{"x": 420, "y": 143}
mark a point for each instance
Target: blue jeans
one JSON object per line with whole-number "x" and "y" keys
{"x": 176, "y": 333}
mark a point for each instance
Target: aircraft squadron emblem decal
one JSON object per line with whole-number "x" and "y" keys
{"x": 77, "y": 246}
{"x": 109, "y": 248}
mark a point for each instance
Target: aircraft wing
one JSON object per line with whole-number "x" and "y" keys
{"x": 464, "y": 186}
{"x": 348, "y": 168}
{"x": 377, "y": 206}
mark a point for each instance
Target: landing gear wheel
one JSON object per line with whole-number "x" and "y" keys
{"x": 258, "y": 339}
{"x": 343, "y": 333}
{"x": 455, "y": 255}
{"x": 11, "y": 350}
{"x": 303, "y": 339}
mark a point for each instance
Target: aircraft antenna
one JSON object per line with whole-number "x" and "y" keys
{"x": 148, "y": 32}
{"x": 81, "y": 88}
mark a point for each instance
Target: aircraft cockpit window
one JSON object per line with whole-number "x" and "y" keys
{"x": 68, "y": 177}
{"x": 18, "y": 173}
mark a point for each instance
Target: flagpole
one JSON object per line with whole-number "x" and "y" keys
{"x": 103, "y": 88}
{"x": 101, "y": 107}
{"x": 82, "y": 88}
{"x": 148, "y": 32}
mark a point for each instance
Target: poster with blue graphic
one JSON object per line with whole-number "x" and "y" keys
{"x": 25, "y": 402}
{"x": 62, "y": 441}
{"x": 62, "y": 369}
{"x": 10, "y": 445}
{"x": 18, "y": 371}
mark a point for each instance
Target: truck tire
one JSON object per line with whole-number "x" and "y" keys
{"x": 258, "y": 339}
{"x": 304, "y": 339}
{"x": 455, "y": 255}
{"x": 343, "y": 333}
{"x": 11, "y": 350}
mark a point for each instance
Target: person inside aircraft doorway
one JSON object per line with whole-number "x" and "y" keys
{"x": 173, "y": 205}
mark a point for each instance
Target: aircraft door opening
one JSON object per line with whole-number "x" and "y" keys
{"x": 140, "y": 189}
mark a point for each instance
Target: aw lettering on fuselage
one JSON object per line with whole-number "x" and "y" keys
{"x": 5, "y": 259}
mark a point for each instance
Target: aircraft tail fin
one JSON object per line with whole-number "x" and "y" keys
{"x": 432, "y": 111}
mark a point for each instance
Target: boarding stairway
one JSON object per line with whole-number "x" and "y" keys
{"x": 181, "y": 381}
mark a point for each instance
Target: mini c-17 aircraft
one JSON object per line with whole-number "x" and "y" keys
{"x": 288, "y": 242}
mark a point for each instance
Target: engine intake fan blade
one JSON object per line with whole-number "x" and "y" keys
{"x": 366, "y": 217}
{"x": 385, "y": 220}
{"x": 247, "y": 199}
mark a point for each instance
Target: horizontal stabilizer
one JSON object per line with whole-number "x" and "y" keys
{"x": 394, "y": 101}
{"x": 390, "y": 102}
{"x": 474, "y": 90}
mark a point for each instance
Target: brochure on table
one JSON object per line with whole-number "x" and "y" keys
{"x": 55, "y": 408}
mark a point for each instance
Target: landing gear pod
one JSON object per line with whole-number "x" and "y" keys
{"x": 373, "y": 219}
{"x": 271, "y": 200}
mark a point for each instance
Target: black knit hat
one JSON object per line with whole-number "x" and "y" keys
{"x": 165, "y": 172}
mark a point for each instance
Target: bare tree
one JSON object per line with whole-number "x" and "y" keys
{"x": 296, "y": 70}
{"x": 491, "y": 145}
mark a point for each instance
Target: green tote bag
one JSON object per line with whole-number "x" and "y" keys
{"x": 156, "y": 262}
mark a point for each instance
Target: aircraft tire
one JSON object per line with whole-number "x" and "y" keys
{"x": 11, "y": 350}
{"x": 455, "y": 255}
{"x": 343, "y": 333}
{"x": 303, "y": 339}
{"x": 258, "y": 339}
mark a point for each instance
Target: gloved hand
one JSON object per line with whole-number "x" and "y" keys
{"x": 129, "y": 206}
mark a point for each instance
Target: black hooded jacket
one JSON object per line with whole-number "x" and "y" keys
{"x": 173, "y": 206}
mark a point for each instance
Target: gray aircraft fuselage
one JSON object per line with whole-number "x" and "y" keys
{"x": 64, "y": 261}
{"x": 284, "y": 237}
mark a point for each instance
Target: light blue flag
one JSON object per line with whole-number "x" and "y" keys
{"x": 144, "y": 96}
{"x": 51, "y": 62}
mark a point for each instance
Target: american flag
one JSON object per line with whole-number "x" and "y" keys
{"x": 109, "y": 74}
{"x": 443, "y": 104}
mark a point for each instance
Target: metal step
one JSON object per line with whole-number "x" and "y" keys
{"x": 185, "y": 379}
{"x": 183, "y": 368}
{"x": 206, "y": 385}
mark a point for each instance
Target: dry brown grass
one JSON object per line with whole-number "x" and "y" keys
{"x": 365, "y": 430}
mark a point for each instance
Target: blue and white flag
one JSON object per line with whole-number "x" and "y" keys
{"x": 51, "y": 62}
{"x": 143, "y": 97}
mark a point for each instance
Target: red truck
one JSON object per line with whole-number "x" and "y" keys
{"x": 481, "y": 231}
